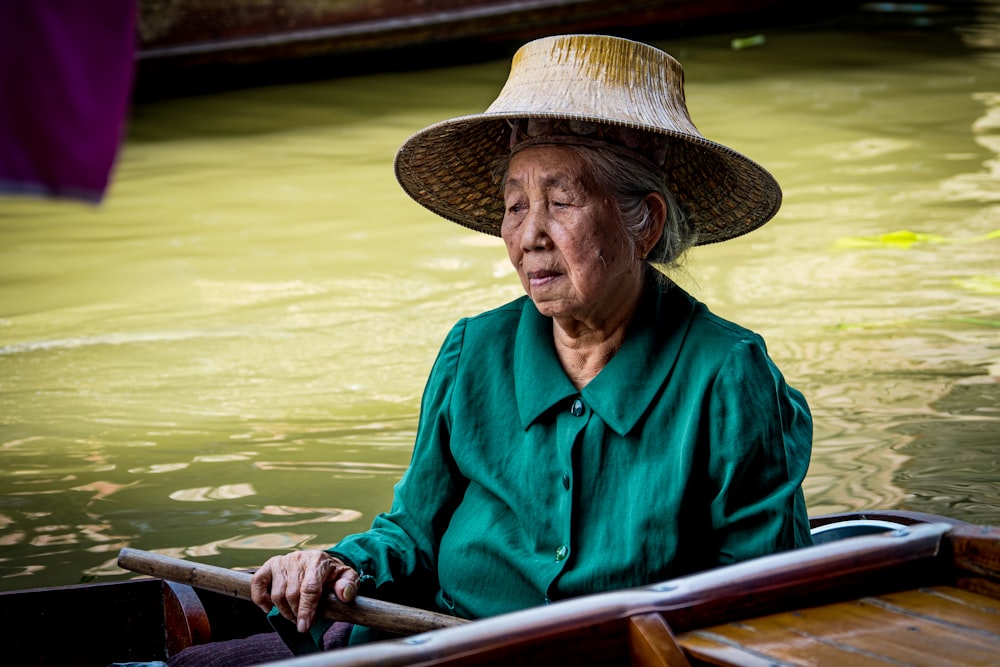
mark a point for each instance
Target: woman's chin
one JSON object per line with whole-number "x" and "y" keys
{"x": 550, "y": 306}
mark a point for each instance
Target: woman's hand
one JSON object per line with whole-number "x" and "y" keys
{"x": 294, "y": 583}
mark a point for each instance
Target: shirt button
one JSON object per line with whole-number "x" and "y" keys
{"x": 565, "y": 481}
{"x": 562, "y": 552}
{"x": 577, "y": 408}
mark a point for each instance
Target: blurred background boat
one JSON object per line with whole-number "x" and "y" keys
{"x": 245, "y": 31}
{"x": 178, "y": 34}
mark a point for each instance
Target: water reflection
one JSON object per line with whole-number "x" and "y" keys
{"x": 339, "y": 468}
{"x": 209, "y": 493}
{"x": 311, "y": 514}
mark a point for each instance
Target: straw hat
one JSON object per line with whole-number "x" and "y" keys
{"x": 587, "y": 80}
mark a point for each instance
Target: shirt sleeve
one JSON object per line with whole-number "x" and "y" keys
{"x": 399, "y": 551}
{"x": 761, "y": 439}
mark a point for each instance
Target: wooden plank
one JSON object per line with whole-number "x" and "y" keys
{"x": 865, "y": 628}
{"x": 708, "y": 648}
{"x": 977, "y": 558}
{"x": 949, "y": 606}
{"x": 652, "y": 644}
{"x": 917, "y": 628}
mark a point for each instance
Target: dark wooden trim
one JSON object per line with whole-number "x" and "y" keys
{"x": 185, "y": 620}
{"x": 652, "y": 643}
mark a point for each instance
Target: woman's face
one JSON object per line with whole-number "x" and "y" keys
{"x": 564, "y": 240}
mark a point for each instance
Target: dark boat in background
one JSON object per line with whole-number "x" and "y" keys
{"x": 204, "y": 45}
{"x": 878, "y": 588}
{"x": 245, "y": 31}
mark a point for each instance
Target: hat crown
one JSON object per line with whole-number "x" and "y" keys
{"x": 592, "y": 77}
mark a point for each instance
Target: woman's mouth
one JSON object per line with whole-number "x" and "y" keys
{"x": 541, "y": 278}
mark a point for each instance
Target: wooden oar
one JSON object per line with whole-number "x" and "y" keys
{"x": 395, "y": 618}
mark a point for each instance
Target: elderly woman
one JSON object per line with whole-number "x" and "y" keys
{"x": 606, "y": 430}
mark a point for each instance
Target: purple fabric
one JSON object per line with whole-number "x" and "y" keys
{"x": 254, "y": 650}
{"x": 66, "y": 71}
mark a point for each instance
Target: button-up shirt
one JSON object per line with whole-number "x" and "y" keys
{"x": 687, "y": 451}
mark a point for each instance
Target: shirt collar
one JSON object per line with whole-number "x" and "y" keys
{"x": 539, "y": 379}
{"x": 625, "y": 388}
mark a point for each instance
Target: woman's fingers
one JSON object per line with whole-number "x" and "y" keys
{"x": 283, "y": 587}
{"x": 310, "y": 593}
{"x": 260, "y": 587}
{"x": 295, "y": 584}
{"x": 346, "y": 585}
{"x": 328, "y": 571}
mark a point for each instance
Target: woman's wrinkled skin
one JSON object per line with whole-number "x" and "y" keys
{"x": 577, "y": 266}
{"x": 574, "y": 261}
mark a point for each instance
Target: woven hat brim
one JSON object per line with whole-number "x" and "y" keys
{"x": 448, "y": 168}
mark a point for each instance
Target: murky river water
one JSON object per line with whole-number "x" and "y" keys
{"x": 225, "y": 359}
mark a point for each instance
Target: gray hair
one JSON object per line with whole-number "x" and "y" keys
{"x": 628, "y": 182}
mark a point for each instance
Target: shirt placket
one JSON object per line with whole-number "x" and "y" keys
{"x": 570, "y": 425}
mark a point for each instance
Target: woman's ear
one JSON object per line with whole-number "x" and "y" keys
{"x": 656, "y": 206}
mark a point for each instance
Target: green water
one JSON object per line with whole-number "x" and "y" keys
{"x": 225, "y": 359}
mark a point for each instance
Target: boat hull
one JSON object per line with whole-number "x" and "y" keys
{"x": 932, "y": 581}
{"x": 188, "y": 32}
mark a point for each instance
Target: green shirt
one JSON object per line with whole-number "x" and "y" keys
{"x": 687, "y": 451}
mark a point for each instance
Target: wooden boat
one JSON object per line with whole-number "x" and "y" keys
{"x": 242, "y": 31}
{"x": 927, "y": 592}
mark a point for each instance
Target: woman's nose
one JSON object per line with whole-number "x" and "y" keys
{"x": 534, "y": 230}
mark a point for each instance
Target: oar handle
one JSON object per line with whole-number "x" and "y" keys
{"x": 390, "y": 617}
